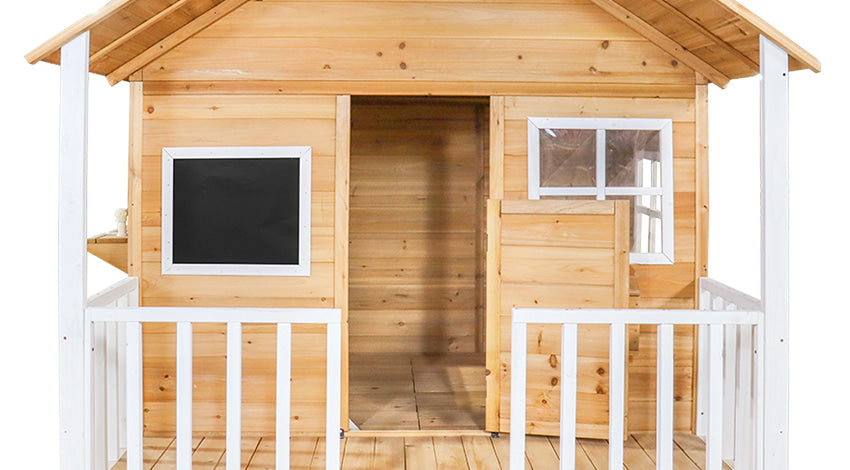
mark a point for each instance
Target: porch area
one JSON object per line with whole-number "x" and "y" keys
{"x": 421, "y": 451}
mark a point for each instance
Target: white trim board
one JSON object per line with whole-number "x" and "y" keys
{"x": 303, "y": 153}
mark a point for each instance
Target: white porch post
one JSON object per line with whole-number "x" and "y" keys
{"x": 74, "y": 391}
{"x": 774, "y": 252}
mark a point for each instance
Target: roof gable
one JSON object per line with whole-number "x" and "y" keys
{"x": 717, "y": 38}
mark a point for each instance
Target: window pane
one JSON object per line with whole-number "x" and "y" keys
{"x": 567, "y": 158}
{"x": 633, "y": 158}
{"x": 645, "y": 230}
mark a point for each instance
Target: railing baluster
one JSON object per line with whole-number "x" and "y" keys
{"x": 702, "y": 366}
{"x": 744, "y": 430}
{"x": 112, "y": 379}
{"x": 99, "y": 396}
{"x": 569, "y": 382}
{"x": 714, "y": 442}
{"x": 664, "y": 399}
{"x": 518, "y": 367}
{"x": 616, "y": 395}
{"x": 332, "y": 413}
{"x": 283, "y": 391}
{"x": 730, "y": 371}
{"x": 134, "y": 396}
{"x": 184, "y": 396}
{"x": 234, "y": 396}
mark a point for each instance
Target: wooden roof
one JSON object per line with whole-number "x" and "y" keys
{"x": 718, "y": 38}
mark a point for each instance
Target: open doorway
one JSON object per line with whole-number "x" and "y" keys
{"x": 419, "y": 185}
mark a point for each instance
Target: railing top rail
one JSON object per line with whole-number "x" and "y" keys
{"x": 113, "y": 292}
{"x": 635, "y": 316}
{"x": 215, "y": 315}
{"x": 741, "y": 300}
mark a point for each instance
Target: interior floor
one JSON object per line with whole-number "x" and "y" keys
{"x": 417, "y": 391}
{"x": 388, "y": 452}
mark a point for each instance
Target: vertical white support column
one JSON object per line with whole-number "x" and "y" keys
{"x": 518, "y": 365}
{"x": 569, "y": 384}
{"x": 234, "y": 396}
{"x": 135, "y": 412}
{"x": 714, "y": 440}
{"x": 334, "y": 394}
{"x": 617, "y": 395}
{"x": 774, "y": 249}
{"x": 75, "y": 449}
{"x": 283, "y": 393}
{"x": 184, "y": 396}
{"x": 664, "y": 399}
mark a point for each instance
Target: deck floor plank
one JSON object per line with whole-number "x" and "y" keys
{"x": 694, "y": 447}
{"x": 540, "y": 453}
{"x": 480, "y": 452}
{"x": 502, "y": 447}
{"x": 359, "y": 453}
{"x": 681, "y": 461}
{"x": 209, "y": 453}
{"x": 419, "y": 453}
{"x": 635, "y": 457}
{"x": 448, "y": 450}
{"x": 387, "y": 451}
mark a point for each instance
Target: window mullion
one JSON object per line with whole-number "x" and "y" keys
{"x": 600, "y": 164}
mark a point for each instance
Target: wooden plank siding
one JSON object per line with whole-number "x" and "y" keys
{"x": 268, "y": 73}
{"x": 567, "y": 254}
{"x": 660, "y": 286}
{"x": 416, "y": 220}
{"x": 236, "y": 120}
{"x": 403, "y": 44}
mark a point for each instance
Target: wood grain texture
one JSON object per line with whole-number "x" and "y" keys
{"x": 416, "y": 165}
{"x": 193, "y": 121}
{"x": 556, "y": 255}
{"x": 134, "y": 180}
{"x": 341, "y": 212}
{"x": 659, "y": 286}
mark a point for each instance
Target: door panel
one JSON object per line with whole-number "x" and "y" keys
{"x": 558, "y": 254}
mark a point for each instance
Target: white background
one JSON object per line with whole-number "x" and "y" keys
{"x": 820, "y": 178}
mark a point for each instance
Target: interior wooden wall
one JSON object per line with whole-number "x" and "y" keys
{"x": 238, "y": 120}
{"x": 559, "y": 254}
{"x": 418, "y": 189}
{"x": 661, "y": 286}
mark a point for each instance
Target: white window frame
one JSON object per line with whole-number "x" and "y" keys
{"x": 302, "y": 153}
{"x": 601, "y": 125}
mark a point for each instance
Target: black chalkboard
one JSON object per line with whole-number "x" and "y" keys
{"x": 236, "y": 211}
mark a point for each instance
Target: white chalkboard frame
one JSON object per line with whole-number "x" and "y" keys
{"x": 302, "y": 153}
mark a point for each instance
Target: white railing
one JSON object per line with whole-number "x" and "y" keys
{"x": 108, "y": 362}
{"x": 105, "y": 314}
{"x": 740, "y": 368}
{"x": 618, "y": 319}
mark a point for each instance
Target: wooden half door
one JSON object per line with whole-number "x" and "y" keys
{"x": 556, "y": 254}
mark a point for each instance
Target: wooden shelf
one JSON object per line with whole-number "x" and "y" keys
{"x": 110, "y": 248}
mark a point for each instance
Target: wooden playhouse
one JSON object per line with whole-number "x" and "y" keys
{"x": 421, "y": 188}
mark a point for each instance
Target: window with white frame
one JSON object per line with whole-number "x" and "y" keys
{"x": 610, "y": 158}
{"x": 236, "y": 211}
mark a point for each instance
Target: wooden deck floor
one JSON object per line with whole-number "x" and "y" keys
{"x": 410, "y": 392}
{"x": 387, "y": 452}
